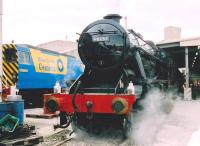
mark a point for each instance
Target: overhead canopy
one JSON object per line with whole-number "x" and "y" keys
{"x": 176, "y": 49}
{"x": 190, "y": 42}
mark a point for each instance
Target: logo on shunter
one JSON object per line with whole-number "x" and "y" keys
{"x": 60, "y": 65}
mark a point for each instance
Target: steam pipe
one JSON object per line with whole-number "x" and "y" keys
{"x": 63, "y": 126}
{"x": 74, "y": 106}
{"x": 74, "y": 96}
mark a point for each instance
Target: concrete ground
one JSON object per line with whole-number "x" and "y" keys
{"x": 44, "y": 127}
{"x": 179, "y": 126}
{"x": 176, "y": 130}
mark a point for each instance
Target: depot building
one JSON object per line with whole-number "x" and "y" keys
{"x": 186, "y": 55}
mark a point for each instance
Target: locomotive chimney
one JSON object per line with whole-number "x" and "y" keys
{"x": 114, "y": 17}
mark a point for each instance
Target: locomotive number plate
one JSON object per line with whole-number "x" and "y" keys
{"x": 100, "y": 38}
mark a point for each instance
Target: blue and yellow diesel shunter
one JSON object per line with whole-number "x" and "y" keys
{"x": 35, "y": 71}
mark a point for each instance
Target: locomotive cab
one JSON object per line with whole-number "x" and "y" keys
{"x": 10, "y": 65}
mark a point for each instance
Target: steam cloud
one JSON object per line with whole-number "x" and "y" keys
{"x": 147, "y": 122}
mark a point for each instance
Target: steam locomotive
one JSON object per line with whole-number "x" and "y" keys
{"x": 114, "y": 58}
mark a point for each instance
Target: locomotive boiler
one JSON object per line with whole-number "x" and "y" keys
{"x": 114, "y": 59}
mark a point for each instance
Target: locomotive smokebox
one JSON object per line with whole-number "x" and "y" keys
{"x": 114, "y": 17}
{"x": 103, "y": 45}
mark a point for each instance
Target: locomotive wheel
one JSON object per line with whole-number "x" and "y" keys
{"x": 127, "y": 125}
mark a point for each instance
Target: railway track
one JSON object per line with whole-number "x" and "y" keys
{"x": 81, "y": 138}
{"x": 57, "y": 139}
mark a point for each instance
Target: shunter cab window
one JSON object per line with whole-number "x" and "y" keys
{"x": 10, "y": 55}
{"x": 24, "y": 58}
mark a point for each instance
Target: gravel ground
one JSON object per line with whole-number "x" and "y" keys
{"x": 108, "y": 138}
{"x": 55, "y": 138}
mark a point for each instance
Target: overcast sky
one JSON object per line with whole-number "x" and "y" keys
{"x": 39, "y": 21}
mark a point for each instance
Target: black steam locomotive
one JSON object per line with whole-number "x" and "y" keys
{"x": 113, "y": 58}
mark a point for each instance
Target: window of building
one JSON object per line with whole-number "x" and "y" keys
{"x": 24, "y": 58}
